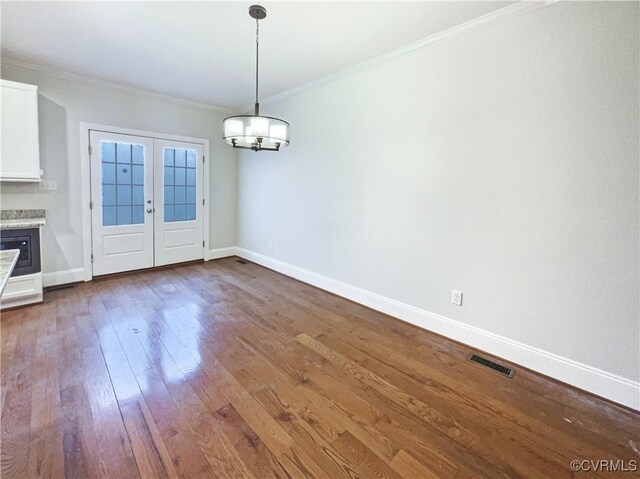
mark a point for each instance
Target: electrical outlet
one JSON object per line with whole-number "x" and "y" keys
{"x": 456, "y": 297}
{"x": 49, "y": 185}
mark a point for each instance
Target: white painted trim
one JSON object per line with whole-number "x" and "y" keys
{"x": 206, "y": 171}
{"x": 144, "y": 133}
{"x": 510, "y": 11}
{"x": 93, "y": 81}
{"x": 63, "y": 277}
{"x": 221, "y": 253}
{"x": 85, "y": 180}
{"x": 85, "y": 173}
{"x": 607, "y": 385}
{"x": 502, "y": 14}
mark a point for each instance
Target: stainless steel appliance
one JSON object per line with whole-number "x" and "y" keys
{"x": 28, "y": 242}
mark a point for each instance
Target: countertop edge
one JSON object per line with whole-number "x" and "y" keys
{"x": 22, "y": 223}
{"x": 5, "y": 275}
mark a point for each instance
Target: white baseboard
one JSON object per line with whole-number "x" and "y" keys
{"x": 75, "y": 275}
{"x": 607, "y": 385}
{"x": 63, "y": 277}
{"x": 221, "y": 253}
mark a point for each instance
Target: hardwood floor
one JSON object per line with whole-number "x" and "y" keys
{"x": 223, "y": 369}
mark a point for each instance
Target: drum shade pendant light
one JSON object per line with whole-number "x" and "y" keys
{"x": 256, "y": 132}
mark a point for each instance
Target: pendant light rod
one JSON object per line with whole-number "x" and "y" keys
{"x": 257, "y": 105}
{"x": 259, "y": 13}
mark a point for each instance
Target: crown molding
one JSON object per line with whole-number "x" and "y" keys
{"x": 93, "y": 81}
{"x": 508, "y": 12}
{"x": 502, "y": 14}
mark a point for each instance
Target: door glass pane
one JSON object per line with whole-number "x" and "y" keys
{"x": 191, "y": 194}
{"x": 180, "y": 195}
{"x": 137, "y": 215}
{"x": 123, "y": 153}
{"x": 191, "y": 212}
{"x": 108, "y": 195}
{"x": 180, "y": 176}
{"x": 181, "y": 157}
{"x": 191, "y": 159}
{"x": 138, "y": 154}
{"x": 138, "y": 195}
{"x": 179, "y": 185}
{"x": 137, "y": 178}
{"x": 123, "y": 174}
{"x": 168, "y": 156}
{"x": 191, "y": 177}
{"x": 124, "y": 215}
{"x": 168, "y": 195}
{"x": 109, "y": 216}
{"x": 181, "y": 213}
{"x": 168, "y": 213}
{"x": 122, "y": 203}
{"x": 108, "y": 173}
{"x": 124, "y": 195}
{"x": 168, "y": 175}
{"x": 108, "y": 152}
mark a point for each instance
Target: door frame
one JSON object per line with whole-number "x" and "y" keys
{"x": 85, "y": 175}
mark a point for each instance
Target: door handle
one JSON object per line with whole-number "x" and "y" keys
{"x": 149, "y": 210}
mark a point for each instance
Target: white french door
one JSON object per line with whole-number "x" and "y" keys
{"x": 178, "y": 198}
{"x": 147, "y": 202}
{"x": 122, "y": 202}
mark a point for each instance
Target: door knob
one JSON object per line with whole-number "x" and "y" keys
{"x": 149, "y": 210}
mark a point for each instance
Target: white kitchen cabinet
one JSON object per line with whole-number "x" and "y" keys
{"x": 21, "y": 290}
{"x": 20, "y": 156}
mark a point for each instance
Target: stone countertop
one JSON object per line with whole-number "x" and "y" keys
{"x": 8, "y": 259}
{"x": 22, "y": 223}
{"x": 22, "y": 218}
{"x": 21, "y": 214}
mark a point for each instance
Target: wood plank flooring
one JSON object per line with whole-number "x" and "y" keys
{"x": 223, "y": 369}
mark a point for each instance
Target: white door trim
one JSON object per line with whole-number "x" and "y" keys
{"x": 85, "y": 174}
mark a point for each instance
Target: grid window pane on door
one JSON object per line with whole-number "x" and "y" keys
{"x": 122, "y": 184}
{"x": 179, "y": 185}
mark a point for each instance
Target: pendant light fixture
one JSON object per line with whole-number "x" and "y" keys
{"x": 256, "y": 132}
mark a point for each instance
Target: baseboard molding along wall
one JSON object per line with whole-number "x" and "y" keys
{"x": 607, "y": 385}
{"x": 63, "y": 277}
{"x": 221, "y": 253}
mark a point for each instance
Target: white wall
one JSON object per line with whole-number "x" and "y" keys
{"x": 63, "y": 104}
{"x": 503, "y": 163}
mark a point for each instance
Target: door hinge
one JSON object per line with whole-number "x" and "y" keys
{"x": 90, "y": 205}
{"x": 90, "y": 150}
{"x": 203, "y": 158}
{"x": 92, "y": 258}
{"x": 202, "y": 201}
{"x": 203, "y": 243}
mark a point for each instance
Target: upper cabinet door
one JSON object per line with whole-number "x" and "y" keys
{"x": 20, "y": 155}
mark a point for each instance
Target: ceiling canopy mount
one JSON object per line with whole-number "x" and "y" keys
{"x": 258, "y": 12}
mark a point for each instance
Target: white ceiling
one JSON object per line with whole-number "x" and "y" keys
{"x": 204, "y": 51}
